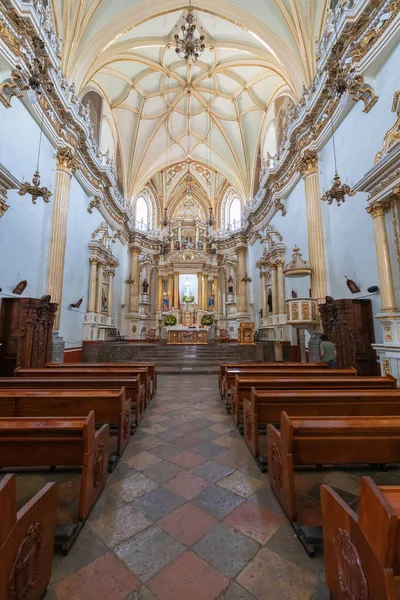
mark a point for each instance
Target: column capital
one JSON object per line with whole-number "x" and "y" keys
{"x": 241, "y": 250}
{"x": 93, "y": 260}
{"x": 280, "y": 263}
{"x": 3, "y": 197}
{"x": 134, "y": 250}
{"x": 308, "y": 163}
{"x": 263, "y": 275}
{"x": 66, "y": 161}
{"x": 378, "y": 209}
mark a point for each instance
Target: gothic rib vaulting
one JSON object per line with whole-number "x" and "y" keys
{"x": 190, "y": 182}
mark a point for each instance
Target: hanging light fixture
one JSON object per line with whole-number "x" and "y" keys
{"x": 339, "y": 190}
{"x": 34, "y": 188}
{"x": 188, "y": 46}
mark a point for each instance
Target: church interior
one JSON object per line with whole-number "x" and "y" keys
{"x": 199, "y": 300}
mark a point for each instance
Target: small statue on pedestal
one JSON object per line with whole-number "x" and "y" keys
{"x": 211, "y": 302}
{"x": 145, "y": 287}
{"x": 165, "y": 302}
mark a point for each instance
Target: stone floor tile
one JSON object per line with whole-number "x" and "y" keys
{"x": 135, "y": 447}
{"x": 223, "y": 426}
{"x": 343, "y": 481}
{"x": 212, "y": 471}
{"x": 142, "y": 594}
{"x": 169, "y": 435}
{"x": 119, "y": 525}
{"x": 149, "y": 552}
{"x": 187, "y": 442}
{"x": 50, "y": 594}
{"x": 241, "y": 484}
{"x": 187, "y": 524}
{"x": 207, "y": 435}
{"x": 141, "y": 461}
{"x": 167, "y": 451}
{"x": 251, "y": 468}
{"x": 102, "y": 579}
{"x": 157, "y": 418}
{"x": 154, "y": 429}
{"x": 88, "y": 549}
{"x": 321, "y": 592}
{"x": 108, "y": 501}
{"x": 265, "y": 497}
{"x": 162, "y": 472}
{"x": 188, "y": 460}
{"x": 286, "y": 543}
{"x": 158, "y": 503}
{"x": 217, "y": 501}
{"x": 236, "y": 592}
{"x": 232, "y": 459}
{"x": 208, "y": 449}
{"x": 187, "y": 485}
{"x": 256, "y": 522}
{"x": 188, "y": 577}
{"x": 226, "y": 549}
{"x": 227, "y": 441}
{"x": 185, "y": 428}
{"x": 121, "y": 471}
{"x": 134, "y": 486}
{"x": 271, "y": 577}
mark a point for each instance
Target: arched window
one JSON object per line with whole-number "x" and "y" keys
{"x": 235, "y": 214}
{"x": 142, "y": 213}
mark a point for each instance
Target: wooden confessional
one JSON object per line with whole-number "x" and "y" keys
{"x": 349, "y": 325}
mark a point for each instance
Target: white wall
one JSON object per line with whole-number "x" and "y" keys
{"x": 25, "y": 229}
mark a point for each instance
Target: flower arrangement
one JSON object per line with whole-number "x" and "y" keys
{"x": 170, "y": 320}
{"x": 207, "y": 320}
{"x": 187, "y": 298}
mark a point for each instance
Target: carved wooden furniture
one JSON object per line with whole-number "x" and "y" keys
{"x": 26, "y": 541}
{"x": 109, "y": 406}
{"x": 223, "y": 336}
{"x": 318, "y": 397}
{"x": 246, "y": 334}
{"x": 230, "y": 375}
{"x": 134, "y": 390}
{"x": 26, "y": 332}
{"x": 361, "y": 551}
{"x": 187, "y": 336}
{"x": 349, "y": 325}
{"x": 326, "y": 440}
{"x": 52, "y": 441}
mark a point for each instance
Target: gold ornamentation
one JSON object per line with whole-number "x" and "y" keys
{"x": 308, "y": 164}
{"x": 305, "y": 311}
{"x": 95, "y": 203}
{"x": 393, "y": 134}
{"x": 396, "y": 230}
{"x": 387, "y": 366}
{"x": 360, "y": 90}
{"x": 314, "y": 315}
{"x": 378, "y": 209}
{"x": 279, "y": 206}
{"x": 13, "y": 86}
{"x": 295, "y": 311}
{"x": 338, "y": 192}
{"x": 34, "y": 189}
{"x": 66, "y": 161}
{"x": 388, "y": 333}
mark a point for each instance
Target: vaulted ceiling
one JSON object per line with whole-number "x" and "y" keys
{"x": 166, "y": 111}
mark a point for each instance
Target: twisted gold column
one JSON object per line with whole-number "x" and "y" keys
{"x": 316, "y": 250}
{"x": 92, "y": 285}
{"x": 241, "y": 273}
{"x": 135, "y": 286}
{"x": 377, "y": 211}
{"x": 66, "y": 164}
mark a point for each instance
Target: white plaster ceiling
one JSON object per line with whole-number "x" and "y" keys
{"x": 166, "y": 111}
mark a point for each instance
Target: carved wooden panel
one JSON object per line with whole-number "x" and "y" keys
{"x": 353, "y": 583}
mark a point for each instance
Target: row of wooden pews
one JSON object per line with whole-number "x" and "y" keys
{"x": 78, "y": 416}
{"x": 294, "y": 416}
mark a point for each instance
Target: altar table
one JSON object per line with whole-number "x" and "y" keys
{"x": 194, "y": 336}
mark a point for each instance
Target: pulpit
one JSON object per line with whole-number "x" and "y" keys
{"x": 246, "y": 333}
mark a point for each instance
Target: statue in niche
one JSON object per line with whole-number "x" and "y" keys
{"x": 165, "y": 302}
{"x": 145, "y": 287}
{"x": 269, "y": 300}
{"x": 230, "y": 285}
{"x": 104, "y": 303}
{"x": 177, "y": 245}
{"x": 200, "y": 245}
{"x": 211, "y": 302}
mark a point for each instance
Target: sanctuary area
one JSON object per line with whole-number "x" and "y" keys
{"x": 199, "y": 299}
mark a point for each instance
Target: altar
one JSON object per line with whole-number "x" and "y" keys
{"x": 194, "y": 336}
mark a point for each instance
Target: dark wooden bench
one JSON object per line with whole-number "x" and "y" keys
{"x": 52, "y": 442}
{"x": 130, "y": 366}
{"x": 26, "y": 541}
{"x": 231, "y": 374}
{"x": 305, "y": 441}
{"x": 362, "y": 552}
{"x": 134, "y": 389}
{"x": 340, "y": 396}
{"x": 109, "y": 406}
{"x": 261, "y": 365}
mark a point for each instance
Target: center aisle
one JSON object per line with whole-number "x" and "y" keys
{"x": 187, "y": 515}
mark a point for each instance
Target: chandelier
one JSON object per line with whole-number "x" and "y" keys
{"x": 188, "y": 46}
{"x": 339, "y": 190}
{"x": 34, "y": 189}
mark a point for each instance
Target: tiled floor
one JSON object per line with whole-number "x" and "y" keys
{"x": 187, "y": 515}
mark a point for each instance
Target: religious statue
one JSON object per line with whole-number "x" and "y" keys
{"x": 200, "y": 245}
{"x": 165, "y": 302}
{"x": 145, "y": 287}
{"x": 177, "y": 245}
{"x": 187, "y": 289}
{"x": 211, "y": 302}
{"x": 230, "y": 285}
{"x": 269, "y": 300}
{"x": 104, "y": 304}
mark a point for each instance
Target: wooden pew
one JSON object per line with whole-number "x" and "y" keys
{"x": 134, "y": 389}
{"x": 68, "y": 442}
{"x": 362, "y": 553}
{"x": 130, "y": 366}
{"x": 109, "y": 406}
{"x": 340, "y": 440}
{"x": 26, "y": 541}
{"x": 263, "y": 365}
{"x": 330, "y": 397}
{"x": 231, "y": 374}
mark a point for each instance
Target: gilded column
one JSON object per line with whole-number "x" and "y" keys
{"x": 170, "y": 287}
{"x": 135, "y": 287}
{"x": 377, "y": 211}
{"x": 281, "y": 287}
{"x": 176, "y": 291}
{"x": 110, "y": 299}
{"x": 316, "y": 250}
{"x": 92, "y": 285}
{"x": 241, "y": 273}
{"x": 159, "y": 292}
{"x": 200, "y": 291}
{"x": 216, "y": 294}
{"x": 99, "y": 293}
{"x": 264, "y": 294}
{"x": 274, "y": 289}
{"x": 66, "y": 164}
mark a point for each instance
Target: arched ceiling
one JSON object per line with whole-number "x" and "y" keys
{"x": 166, "y": 111}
